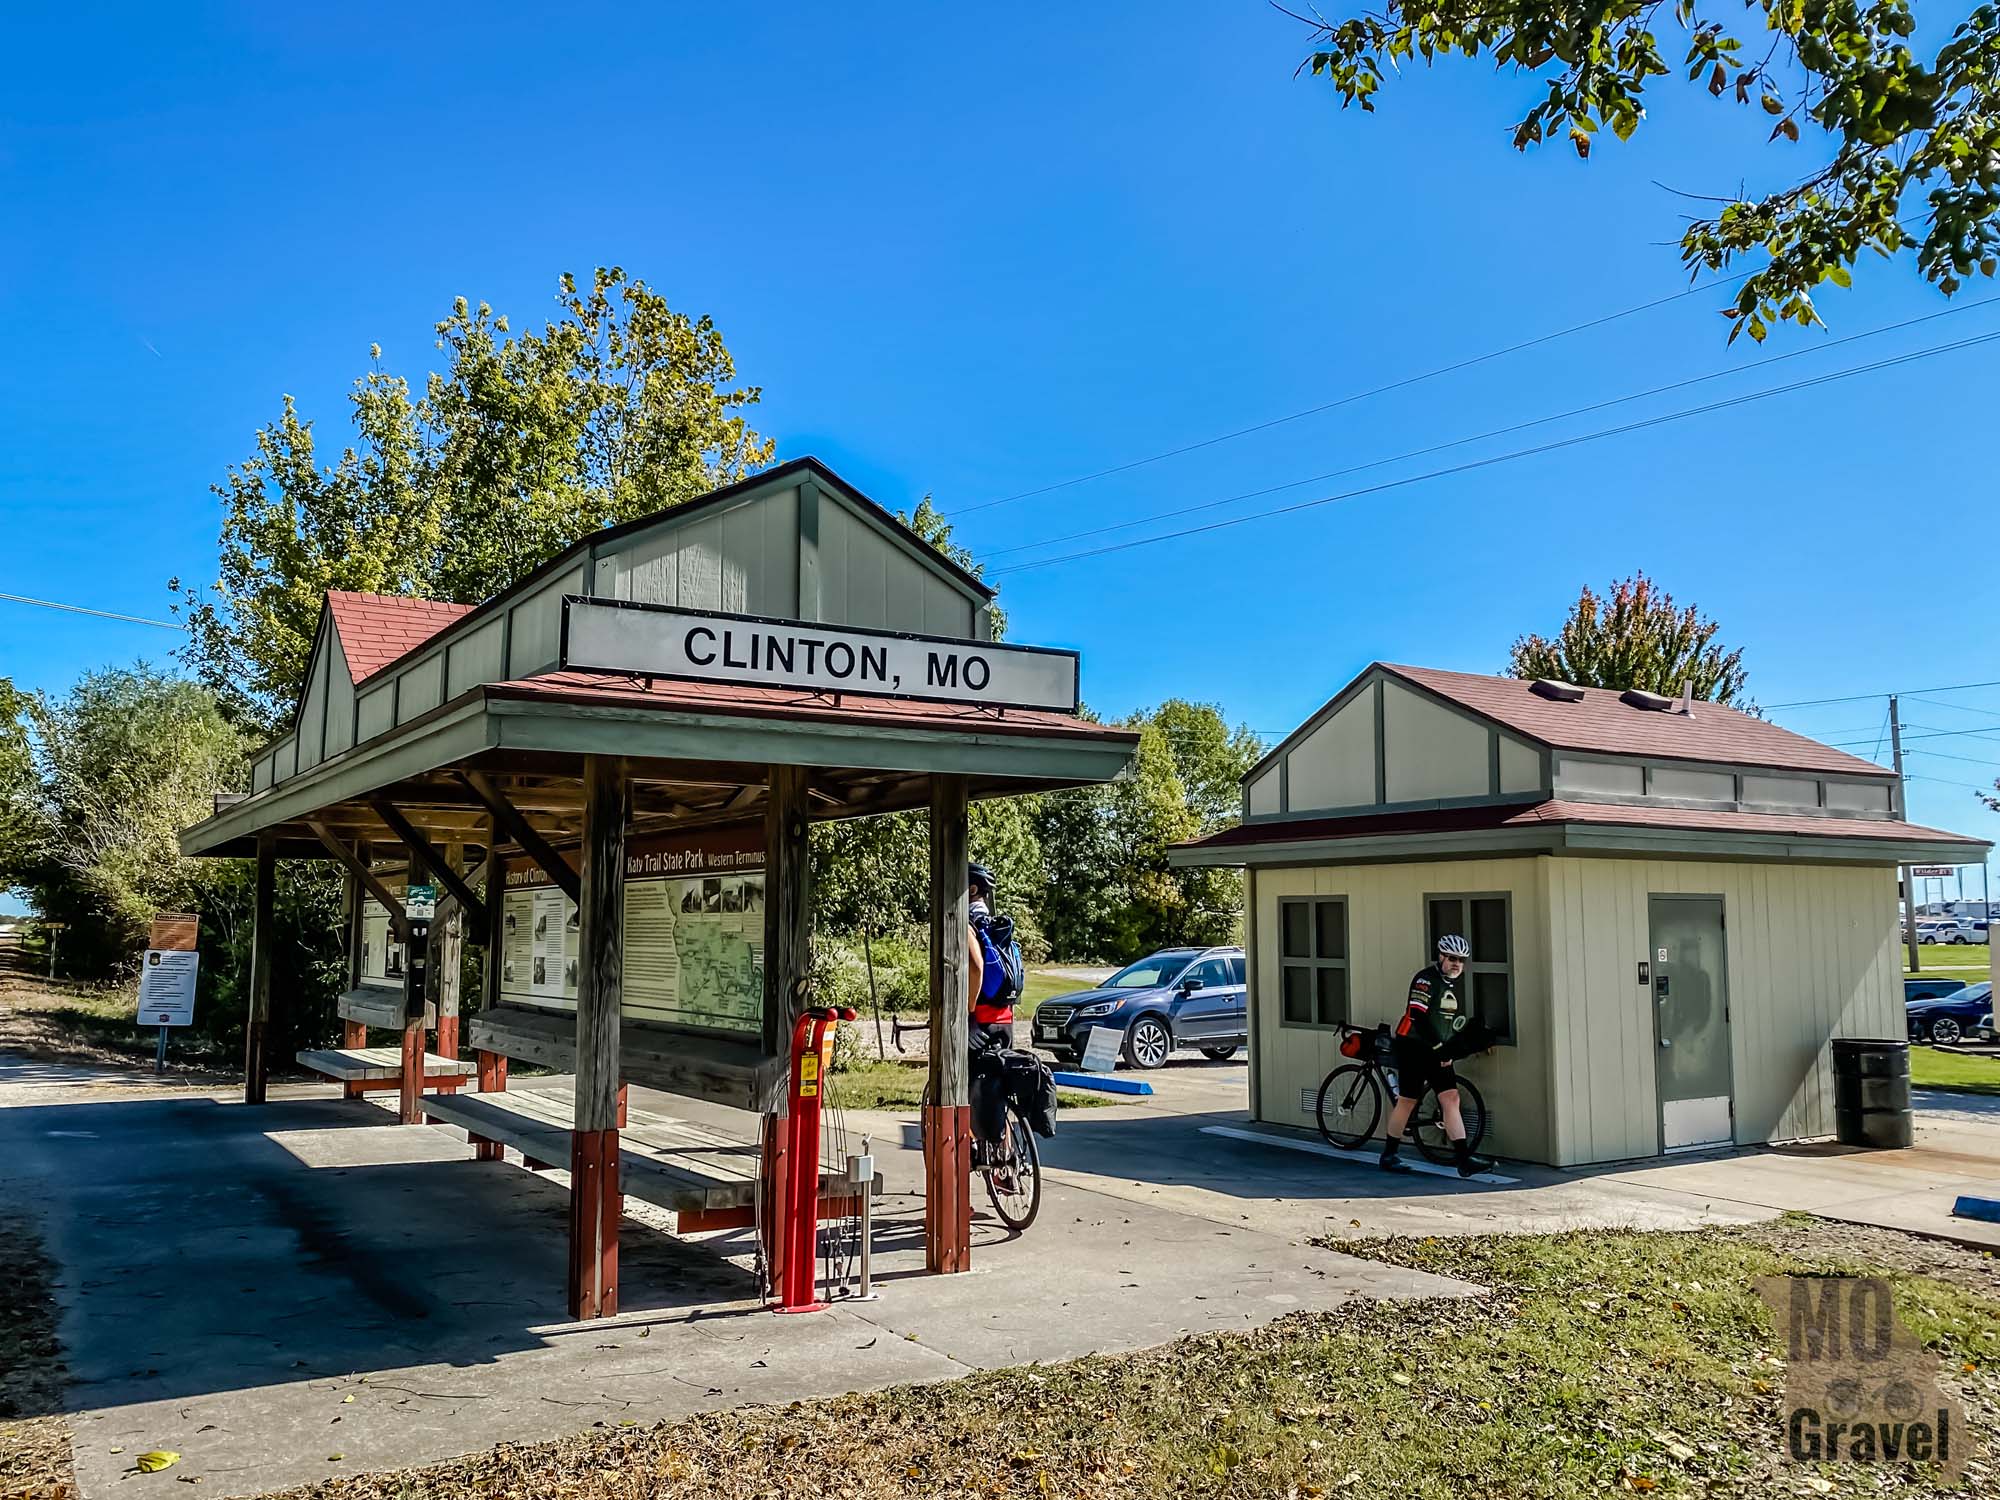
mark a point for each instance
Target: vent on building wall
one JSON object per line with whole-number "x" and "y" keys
{"x": 1558, "y": 692}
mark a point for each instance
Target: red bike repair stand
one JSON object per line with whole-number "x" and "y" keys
{"x": 798, "y": 1229}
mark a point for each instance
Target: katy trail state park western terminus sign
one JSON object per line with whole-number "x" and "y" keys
{"x": 694, "y": 933}
{"x": 601, "y": 635}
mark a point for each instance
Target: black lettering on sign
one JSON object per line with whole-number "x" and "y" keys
{"x": 812, "y": 650}
{"x": 941, "y": 671}
{"x": 875, "y": 662}
{"x": 729, "y": 657}
{"x": 840, "y": 659}
{"x": 687, "y": 646}
{"x": 778, "y": 653}
{"x": 977, "y": 673}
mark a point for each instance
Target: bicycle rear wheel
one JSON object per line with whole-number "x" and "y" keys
{"x": 1015, "y": 1185}
{"x": 1427, "y": 1124}
{"x": 1349, "y": 1105}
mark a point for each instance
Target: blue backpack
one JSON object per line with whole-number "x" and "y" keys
{"x": 1005, "y": 975}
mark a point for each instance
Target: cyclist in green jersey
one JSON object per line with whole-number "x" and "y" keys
{"x": 1425, "y": 1043}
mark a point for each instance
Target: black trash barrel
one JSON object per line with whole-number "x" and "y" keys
{"x": 1871, "y": 1093}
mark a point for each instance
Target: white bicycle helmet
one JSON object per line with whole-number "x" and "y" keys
{"x": 1451, "y": 945}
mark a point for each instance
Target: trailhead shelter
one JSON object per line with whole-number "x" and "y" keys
{"x": 607, "y": 773}
{"x": 1674, "y": 907}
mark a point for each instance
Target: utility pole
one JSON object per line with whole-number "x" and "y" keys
{"x": 1908, "y": 871}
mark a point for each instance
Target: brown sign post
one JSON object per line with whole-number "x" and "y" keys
{"x": 172, "y": 932}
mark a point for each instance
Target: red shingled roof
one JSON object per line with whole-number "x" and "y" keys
{"x": 1556, "y": 811}
{"x": 1602, "y": 723}
{"x": 375, "y": 629}
{"x": 615, "y": 689}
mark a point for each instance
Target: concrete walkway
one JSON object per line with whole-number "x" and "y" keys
{"x": 307, "y": 1289}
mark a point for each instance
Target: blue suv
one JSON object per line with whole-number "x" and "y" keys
{"x": 1178, "y": 997}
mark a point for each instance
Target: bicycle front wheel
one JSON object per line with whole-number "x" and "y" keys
{"x": 1015, "y": 1183}
{"x": 1349, "y": 1105}
{"x": 1427, "y": 1124}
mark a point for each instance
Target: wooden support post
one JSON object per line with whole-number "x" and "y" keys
{"x": 496, "y": 920}
{"x": 948, "y": 1121}
{"x": 411, "y": 1087}
{"x": 448, "y": 957}
{"x": 787, "y": 963}
{"x": 263, "y": 935}
{"x": 595, "y": 1203}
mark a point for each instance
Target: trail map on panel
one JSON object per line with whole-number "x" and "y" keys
{"x": 694, "y": 943}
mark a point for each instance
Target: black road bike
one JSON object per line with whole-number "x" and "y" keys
{"x": 1353, "y": 1096}
{"x": 1010, "y": 1167}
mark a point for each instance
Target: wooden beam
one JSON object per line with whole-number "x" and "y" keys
{"x": 948, "y": 1126}
{"x": 508, "y": 820}
{"x": 595, "y": 1203}
{"x": 358, "y": 867}
{"x": 787, "y": 907}
{"x": 427, "y": 854}
{"x": 263, "y": 936}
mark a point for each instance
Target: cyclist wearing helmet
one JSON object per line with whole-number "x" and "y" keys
{"x": 992, "y": 1018}
{"x": 1432, "y": 1021}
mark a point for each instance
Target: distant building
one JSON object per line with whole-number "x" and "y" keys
{"x": 1673, "y": 907}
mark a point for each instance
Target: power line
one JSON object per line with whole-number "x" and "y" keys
{"x": 1941, "y": 734}
{"x": 1956, "y": 687}
{"x": 1380, "y": 390}
{"x": 81, "y": 609}
{"x": 1575, "y": 411}
{"x": 1970, "y": 760}
{"x": 1519, "y": 453}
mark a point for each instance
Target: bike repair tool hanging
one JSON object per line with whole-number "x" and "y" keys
{"x": 812, "y": 1056}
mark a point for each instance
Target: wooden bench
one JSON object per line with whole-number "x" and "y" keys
{"x": 721, "y": 1069}
{"x": 363, "y": 1069}
{"x": 703, "y": 1176}
{"x": 359, "y": 1068}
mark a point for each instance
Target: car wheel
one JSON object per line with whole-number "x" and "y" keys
{"x": 1219, "y": 1054}
{"x": 1945, "y": 1031}
{"x": 1957, "y": 940}
{"x": 1148, "y": 1043}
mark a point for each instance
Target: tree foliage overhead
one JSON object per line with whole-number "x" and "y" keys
{"x": 1637, "y": 638}
{"x": 617, "y": 407}
{"x": 1913, "y": 136}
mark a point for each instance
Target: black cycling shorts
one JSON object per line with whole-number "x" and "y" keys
{"x": 1418, "y": 1068}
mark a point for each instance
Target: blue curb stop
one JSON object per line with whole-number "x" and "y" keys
{"x": 1104, "y": 1083}
{"x": 1987, "y": 1209}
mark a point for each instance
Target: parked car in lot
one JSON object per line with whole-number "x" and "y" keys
{"x": 1949, "y": 1018}
{"x": 1929, "y": 989}
{"x": 1935, "y": 929}
{"x": 1178, "y": 997}
{"x": 1962, "y": 930}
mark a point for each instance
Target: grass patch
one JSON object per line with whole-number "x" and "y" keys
{"x": 1601, "y": 1363}
{"x": 1947, "y": 961}
{"x": 34, "y": 1439}
{"x": 79, "y": 1021}
{"x": 894, "y": 1083}
{"x": 1932, "y": 1069}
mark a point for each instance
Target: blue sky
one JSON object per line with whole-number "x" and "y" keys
{"x": 975, "y": 260}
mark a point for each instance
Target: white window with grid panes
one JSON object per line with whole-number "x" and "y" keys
{"x": 1312, "y": 961}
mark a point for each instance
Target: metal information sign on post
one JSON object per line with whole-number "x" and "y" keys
{"x": 420, "y": 902}
{"x": 1100, "y": 1049}
{"x": 167, "y": 977}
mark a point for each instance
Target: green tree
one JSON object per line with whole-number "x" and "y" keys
{"x": 1902, "y": 129}
{"x": 20, "y": 857}
{"x": 1637, "y": 638}
{"x": 617, "y": 407}
{"x": 122, "y": 763}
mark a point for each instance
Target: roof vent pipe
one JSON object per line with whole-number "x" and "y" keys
{"x": 1687, "y": 697}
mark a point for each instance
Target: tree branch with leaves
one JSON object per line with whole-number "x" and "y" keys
{"x": 1915, "y": 139}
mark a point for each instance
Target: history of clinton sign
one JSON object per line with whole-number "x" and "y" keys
{"x": 654, "y": 640}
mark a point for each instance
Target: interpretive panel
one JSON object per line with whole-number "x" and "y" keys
{"x": 694, "y": 932}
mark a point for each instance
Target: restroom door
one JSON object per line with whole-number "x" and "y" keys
{"x": 1691, "y": 1021}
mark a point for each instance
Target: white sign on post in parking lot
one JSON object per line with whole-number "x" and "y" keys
{"x": 1100, "y": 1049}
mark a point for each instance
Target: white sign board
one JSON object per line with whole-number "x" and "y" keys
{"x": 607, "y": 635}
{"x": 1100, "y": 1049}
{"x": 166, "y": 987}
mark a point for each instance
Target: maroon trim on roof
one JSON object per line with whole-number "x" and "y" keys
{"x": 601, "y": 689}
{"x": 1491, "y": 816}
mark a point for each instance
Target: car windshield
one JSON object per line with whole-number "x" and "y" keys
{"x": 1976, "y": 993}
{"x": 1150, "y": 972}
